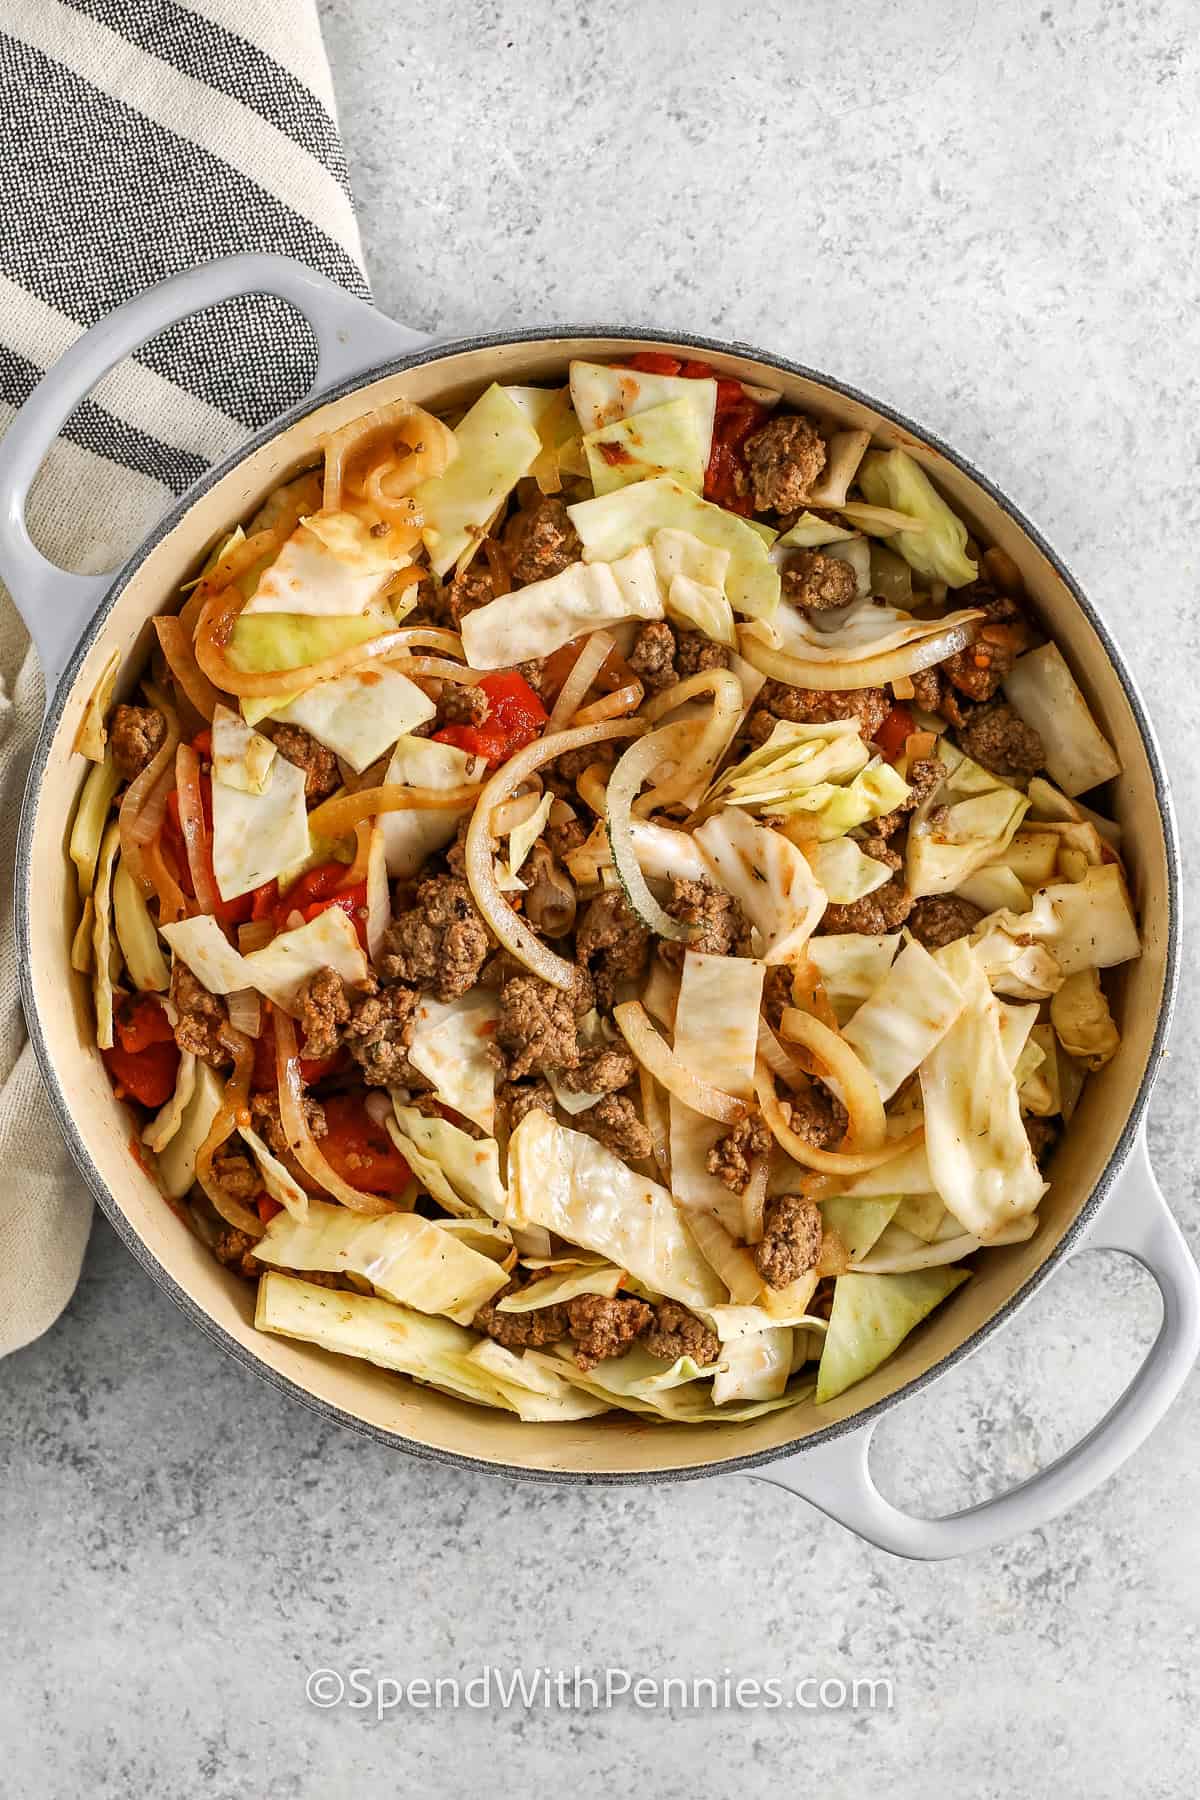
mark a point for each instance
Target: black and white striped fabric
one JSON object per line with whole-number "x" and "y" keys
{"x": 140, "y": 137}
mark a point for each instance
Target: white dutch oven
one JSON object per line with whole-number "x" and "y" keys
{"x": 1103, "y": 1192}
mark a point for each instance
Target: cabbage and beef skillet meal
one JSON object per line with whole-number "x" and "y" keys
{"x": 591, "y": 907}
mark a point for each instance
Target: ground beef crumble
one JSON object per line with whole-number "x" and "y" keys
{"x": 516, "y": 1099}
{"x": 874, "y": 915}
{"x": 614, "y": 1123}
{"x": 236, "y": 1173}
{"x": 377, "y": 1036}
{"x": 817, "y": 1117}
{"x": 322, "y": 776}
{"x": 720, "y": 923}
{"x": 604, "y": 1328}
{"x": 441, "y": 944}
{"x": 784, "y": 459}
{"x": 941, "y": 918}
{"x": 612, "y": 943}
{"x": 791, "y": 1240}
{"x": 868, "y": 707}
{"x": 731, "y": 1156}
{"x": 999, "y": 738}
{"x": 652, "y": 657}
{"x": 324, "y": 1009}
{"x": 541, "y": 541}
{"x": 676, "y": 1332}
{"x": 135, "y": 734}
{"x": 694, "y": 653}
{"x": 200, "y": 1017}
{"x": 536, "y": 1029}
{"x": 818, "y": 582}
{"x": 264, "y": 1116}
{"x": 603, "y": 1071}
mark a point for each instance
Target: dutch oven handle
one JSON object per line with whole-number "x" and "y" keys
{"x": 55, "y": 605}
{"x": 836, "y": 1478}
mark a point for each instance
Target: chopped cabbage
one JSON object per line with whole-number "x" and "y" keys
{"x": 871, "y": 1317}
{"x": 91, "y": 818}
{"x": 241, "y": 757}
{"x": 292, "y": 641}
{"x": 663, "y": 440}
{"x": 1087, "y": 924}
{"x": 1044, "y": 692}
{"x": 449, "y": 1044}
{"x": 539, "y": 619}
{"x": 461, "y": 1172}
{"x": 280, "y": 1184}
{"x": 1046, "y": 802}
{"x": 794, "y": 759}
{"x": 103, "y": 975}
{"x": 169, "y": 1118}
{"x": 753, "y": 1367}
{"x": 92, "y": 734}
{"x": 811, "y": 533}
{"x": 692, "y": 574}
{"x": 844, "y": 872}
{"x": 892, "y": 478}
{"x": 1032, "y": 856}
{"x": 864, "y": 630}
{"x": 859, "y": 1222}
{"x": 360, "y": 715}
{"x": 769, "y": 877}
{"x": 497, "y": 445}
{"x": 565, "y": 1284}
{"x": 602, "y": 393}
{"x": 1082, "y": 1022}
{"x": 968, "y": 822}
{"x": 716, "y": 1037}
{"x": 633, "y": 1382}
{"x": 410, "y": 838}
{"x": 324, "y": 573}
{"x": 910, "y": 1011}
{"x": 615, "y": 524}
{"x": 829, "y": 811}
{"x": 535, "y": 1391}
{"x": 404, "y": 1257}
{"x": 137, "y": 934}
{"x": 1038, "y": 1086}
{"x": 979, "y": 1155}
{"x": 900, "y": 1252}
{"x": 256, "y": 837}
{"x": 843, "y": 456}
{"x": 431, "y": 1349}
{"x": 177, "y": 1158}
{"x": 851, "y": 966}
{"x": 280, "y": 968}
{"x": 923, "y": 1215}
{"x": 1015, "y": 965}
{"x": 570, "y": 1184}
{"x": 994, "y": 888}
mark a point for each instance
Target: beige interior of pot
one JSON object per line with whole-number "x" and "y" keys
{"x": 388, "y": 1401}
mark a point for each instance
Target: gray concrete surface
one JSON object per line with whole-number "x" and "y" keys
{"x": 987, "y": 215}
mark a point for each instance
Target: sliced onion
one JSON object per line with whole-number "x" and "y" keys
{"x": 255, "y": 934}
{"x": 514, "y": 812}
{"x": 951, "y": 1250}
{"x": 656, "y": 1055}
{"x": 300, "y": 1141}
{"x": 863, "y": 672}
{"x": 827, "y": 1162}
{"x": 592, "y": 786}
{"x": 215, "y": 628}
{"x": 617, "y": 705}
{"x": 433, "y": 448}
{"x": 245, "y": 1011}
{"x": 754, "y": 1200}
{"x": 338, "y": 817}
{"x": 860, "y": 1090}
{"x": 634, "y": 767}
{"x": 658, "y": 1122}
{"x": 436, "y": 668}
{"x": 176, "y": 645}
{"x": 356, "y": 872}
{"x": 508, "y": 926}
{"x": 191, "y": 823}
{"x": 780, "y": 1061}
{"x": 144, "y": 802}
{"x": 584, "y": 670}
{"x": 232, "y": 1112}
{"x": 731, "y": 1261}
{"x": 705, "y": 746}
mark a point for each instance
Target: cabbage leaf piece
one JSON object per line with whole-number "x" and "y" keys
{"x": 769, "y": 877}
{"x": 91, "y": 821}
{"x": 268, "y": 641}
{"x": 404, "y": 1257}
{"x": 536, "y": 1392}
{"x": 328, "y": 568}
{"x": 979, "y": 1154}
{"x": 169, "y": 1118}
{"x": 901, "y": 1252}
{"x": 693, "y": 574}
{"x": 892, "y": 478}
{"x": 1082, "y": 1022}
{"x": 859, "y": 1222}
{"x": 871, "y": 1317}
{"x": 360, "y": 715}
{"x": 280, "y": 967}
{"x": 410, "y": 838}
{"x": 968, "y": 822}
{"x": 449, "y": 1044}
{"x": 257, "y": 837}
{"x": 845, "y": 873}
{"x": 107, "y": 959}
{"x": 851, "y": 965}
{"x": 568, "y": 1183}
{"x": 614, "y": 524}
{"x": 539, "y": 619}
{"x": 864, "y": 630}
{"x": 1042, "y": 689}
{"x": 910, "y": 1011}
{"x": 279, "y": 1182}
{"x": 716, "y": 1037}
{"x": 137, "y": 934}
{"x": 1087, "y": 924}
{"x": 795, "y": 758}
{"x": 829, "y": 811}
{"x": 663, "y": 440}
{"x": 241, "y": 757}
{"x": 461, "y": 1172}
{"x": 177, "y": 1158}
{"x": 603, "y": 393}
{"x": 755, "y": 1366}
{"x": 433, "y": 1350}
{"x": 633, "y": 1383}
{"x": 497, "y": 445}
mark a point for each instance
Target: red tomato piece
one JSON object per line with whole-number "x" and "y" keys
{"x": 147, "y": 1076}
{"x": 359, "y": 1150}
{"x": 142, "y": 1022}
{"x": 894, "y": 731}
{"x": 515, "y": 718}
{"x": 652, "y": 362}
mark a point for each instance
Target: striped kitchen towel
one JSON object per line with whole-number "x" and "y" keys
{"x": 140, "y": 138}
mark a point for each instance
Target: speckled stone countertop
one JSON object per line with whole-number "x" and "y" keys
{"x": 987, "y": 215}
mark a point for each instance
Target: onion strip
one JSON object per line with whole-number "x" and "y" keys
{"x": 617, "y": 705}
{"x": 655, "y": 1054}
{"x": 232, "y": 1112}
{"x": 863, "y": 672}
{"x": 301, "y": 1143}
{"x": 176, "y": 646}
{"x": 338, "y": 817}
{"x": 728, "y": 706}
{"x": 583, "y": 672}
{"x": 754, "y": 1200}
{"x": 508, "y": 926}
{"x": 658, "y": 1122}
{"x": 191, "y": 823}
{"x": 634, "y": 767}
{"x": 826, "y": 1162}
{"x": 144, "y": 802}
{"x": 435, "y": 668}
{"x": 215, "y": 628}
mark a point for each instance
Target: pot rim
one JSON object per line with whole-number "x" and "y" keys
{"x": 566, "y": 334}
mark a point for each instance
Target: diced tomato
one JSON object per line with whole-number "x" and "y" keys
{"x": 312, "y": 1068}
{"x": 148, "y": 1075}
{"x": 316, "y": 891}
{"x": 202, "y": 745}
{"x": 229, "y": 912}
{"x": 731, "y": 427}
{"x": 267, "y": 1208}
{"x": 652, "y": 362}
{"x": 515, "y": 718}
{"x": 729, "y": 394}
{"x": 264, "y": 900}
{"x": 359, "y": 1150}
{"x": 894, "y": 731}
{"x": 697, "y": 371}
{"x": 141, "y": 1022}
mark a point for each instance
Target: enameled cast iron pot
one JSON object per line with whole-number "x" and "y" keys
{"x": 1103, "y": 1192}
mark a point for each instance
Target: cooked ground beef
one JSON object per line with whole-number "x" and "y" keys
{"x": 134, "y": 735}
{"x": 999, "y": 738}
{"x": 818, "y": 582}
{"x": 377, "y": 1036}
{"x": 535, "y": 674}
{"x": 612, "y": 943}
{"x": 235, "y": 1250}
{"x": 694, "y": 653}
{"x": 466, "y": 593}
{"x": 603, "y": 1071}
{"x": 321, "y": 774}
{"x": 564, "y": 834}
{"x": 524, "y": 1330}
{"x": 777, "y": 993}
{"x": 441, "y": 944}
{"x": 720, "y": 921}
{"x": 941, "y": 918}
{"x": 516, "y": 1098}
{"x": 978, "y": 670}
{"x": 237, "y": 1174}
{"x": 874, "y": 844}
{"x": 603, "y": 1328}
{"x": 536, "y": 1029}
{"x": 461, "y": 705}
{"x": 676, "y": 1332}
{"x": 264, "y": 1116}
{"x": 817, "y": 1116}
{"x": 614, "y": 1123}
{"x": 541, "y": 541}
{"x": 324, "y": 1009}
{"x": 874, "y": 915}
{"x": 730, "y": 1157}
{"x": 456, "y": 853}
{"x": 784, "y": 459}
{"x": 933, "y": 694}
{"x": 1042, "y": 1135}
{"x": 567, "y": 768}
{"x": 201, "y": 1016}
{"x": 791, "y": 1240}
{"x": 924, "y": 777}
{"x": 869, "y": 707}
{"x": 652, "y": 657}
